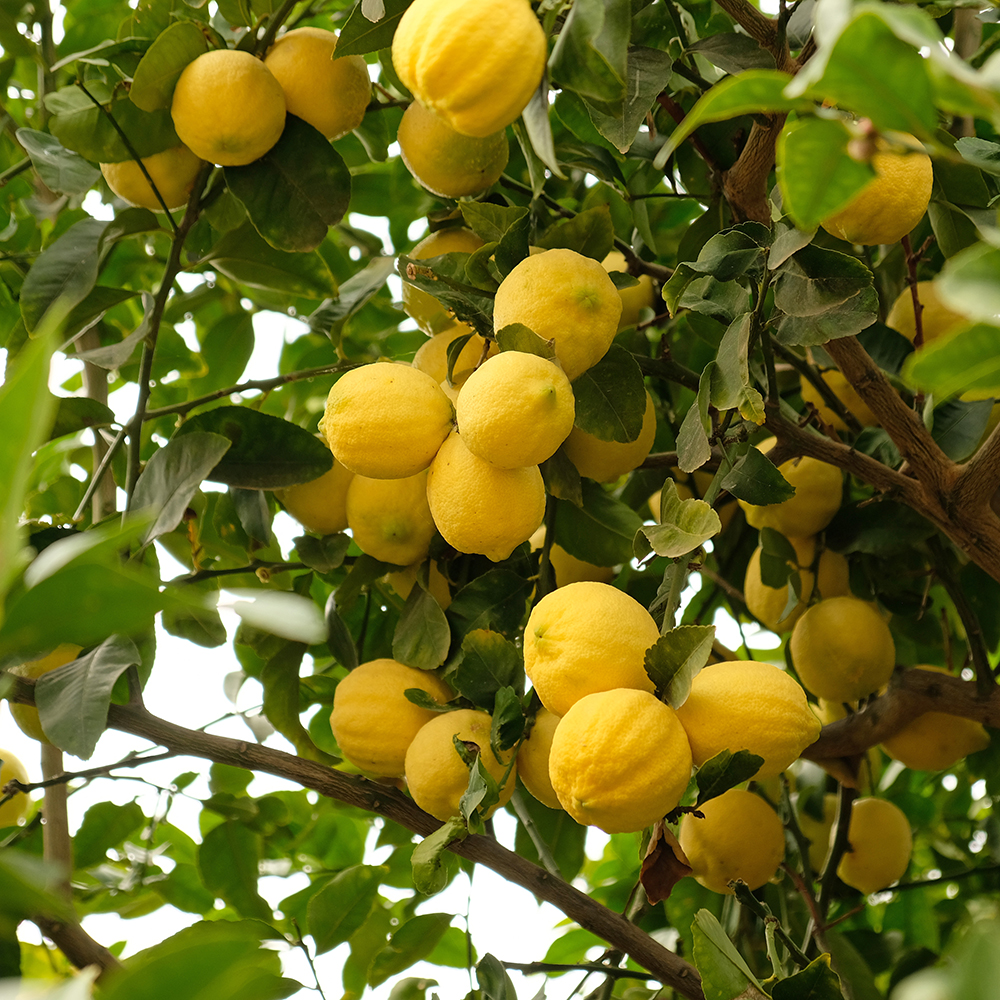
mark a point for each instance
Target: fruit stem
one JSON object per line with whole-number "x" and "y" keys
{"x": 545, "y": 855}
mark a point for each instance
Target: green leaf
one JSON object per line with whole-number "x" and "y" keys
{"x": 29, "y": 886}
{"x": 958, "y": 426}
{"x": 817, "y": 981}
{"x": 735, "y": 253}
{"x": 61, "y": 169}
{"x": 517, "y": 337}
{"x": 676, "y": 658}
{"x": 496, "y": 600}
{"x": 684, "y": 525}
{"x": 282, "y": 704}
{"x": 970, "y": 283}
{"x": 507, "y": 227}
{"x": 733, "y": 53}
{"x": 508, "y": 721}
{"x": 724, "y": 974}
{"x": 591, "y": 52}
{"x": 981, "y": 153}
{"x": 601, "y": 531}
{"x": 355, "y": 293}
{"x": 202, "y": 626}
{"x": 611, "y": 397}
{"x": 693, "y": 448}
{"x": 493, "y": 980}
{"x": 756, "y": 480}
{"x": 343, "y": 905}
{"x": 413, "y": 941}
{"x": 164, "y": 61}
{"x": 422, "y": 635}
{"x": 563, "y": 836}
{"x": 74, "y": 413}
{"x": 429, "y": 873}
{"x": 966, "y": 361}
{"x": 534, "y": 136}
{"x": 815, "y": 280}
{"x": 446, "y": 280}
{"x": 322, "y": 554}
{"x": 852, "y": 967}
{"x": 591, "y": 233}
{"x": 105, "y": 825}
{"x": 489, "y": 663}
{"x": 228, "y": 859}
{"x": 562, "y": 480}
{"x": 338, "y": 636}
{"x": 360, "y": 35}
{"x": 724, "y": 771}
{"x": 647, "y": 73}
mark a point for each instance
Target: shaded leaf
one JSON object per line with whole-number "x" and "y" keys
{"x": 61, "y": 169}
{"x": 517, "y": 337}
{"x": 591, "y": 52}
{"x": 429, "y": 873}
{"x": 105, "y": 825}
{"x": 599, "y": 532}
{"x": 647, "y": 73}
{"x": 725, "y": 976}
{"x": 817, "y": 981}
{"x": 414, "y": 940}
{"x": 497, "y": 599}
{"x": 724, "y": 771}
{"x": 676, "y": 658}
{"x": 611, "y": 397}
{"x": 158, "y": 70}
{"x": 756, "y": 480}
{"x": 359, "y": 35}
{"x": 422, "y": 635}
{"x": 489, "y": 663}
{"x": 337, "y": 910}
{"x": 228, "y": 859}
{"x": 590, "y": 233}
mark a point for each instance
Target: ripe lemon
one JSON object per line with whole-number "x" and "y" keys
{"x": 568, "y": 569}
{"x": 228, "y": 108}
{"x": 402, "y": 581}
{"x": 842, "y": 649}
{"x": 934, "y": 741}
{"x": 767, "y": 604}
{"x": 435, "y": 773}
{"x": 833, "y": 575}
{"x": 620, "y": 760}
{"x": 892, "y": 202}
{"x": 331, "y": 94}
{"x": 881, "y": 843}
{"x": 430, "y": 315}
{"x": 533, "y": 759}
{"x": 740, "y": 837}
{"x": 566, "y": 298}
{"x": 480, "y": 508}
{"x": 320, "y": 505}
{"x": 26, "y": 716}
{"x": 173, "y": 172}
{"x": 432, "y": 356}
{"x": 385, "y": 420}
{"x": 606, "y": 461}
{"x": 372, "y": 720}
{"x": 474, "y": 64}
{"x": 515, "y": 409}
{"x": 446, "y": 162}
{"x": 936, "y": 319}
{"x": 748, "y": 705}
{"x": 817, "y": 831}
{"x": 11, "y": 769}
{"x": 583, "y": 638}
{"x": 846, "y": 393}
{"x": 635, "y": 298}
{"x": 390, "y": 519}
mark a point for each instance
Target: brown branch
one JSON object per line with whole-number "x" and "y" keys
{"x": 77, "y": 945}
{"x": 979, "y": 478}
{"x": 761, "y": 28}
{"x": 745, "y": 183}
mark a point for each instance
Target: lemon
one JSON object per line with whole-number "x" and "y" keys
{"x": 435, "y": 773}
{"x": 533, "y": 758}
{"x": 475, "y": 65}
{"x": 446, "y": 162}
{"x": 635, "y": 298}
{"x": 432, "y": 356}
{"x": 386, "y": 421}
{"x": 583, "y": 638}
{"x": 26, "y": 716}
{"x": 515, "y": 409}
{"x": 936, "y": 319}
{"x": 173, "y": 172}
{"x": 321, "y": 504}
{"x": 568, "y": 569}
{"x": 372, "y": 720}
{"x": 430, "y": 315}
{"x": 11, "y": 769}
{"x": 846, "y": 393}
{"x": 892, "y": 202}
{"x": 390, "y": 519}
{"x": 228, "y": 108}
{"x": 881, "y": 843}
{"x": 767, "y": 604}
{"x": 740, "y": 837}
{"x": 833, "y": 575}
{"x": 748, "y": 705}
{"x": 935, "y": 741}
{"x": 330, "y": 94}
{"x": 606, "y": 461}
{"x": 480, "y": 508}
{"x": 817, "y": 831}
{"x": 620, "y": 760}
{"x": 842, "y": 649}
{"x": 402, "y": 581}
{"x": 566, "y": 298}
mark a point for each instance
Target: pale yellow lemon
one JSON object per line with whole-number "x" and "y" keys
{"x": 881, "y": 843}
{"x": 606, "y": 461}
{"x": 768, "y": 604}
{"x": 846, "y": 393}
{"x": 390, "y": 519}
{"x": 26, "y": 716}
{"x": 173, "y": 172}
{"x": 634, "y": 298}
{"x": 321, "y": 504}
{"x": 936, "y": 319}
{"x": 533, "y": 758}
{"x": 402, "y": 581}
{"x": 432, "y": 356}
{"x": 11, "y": 769}
{"x": 817, "y": 831}
{"x": 430, "y": 315}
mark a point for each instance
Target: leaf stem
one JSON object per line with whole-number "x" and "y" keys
{"x": 545, "y": 855}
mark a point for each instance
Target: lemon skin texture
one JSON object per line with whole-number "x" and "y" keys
{"x": 390, "y": 519}
{"x": 741, "y": 837}
{"x": 620, "y": 760}
{"x": 767, "y": 604}
{"x": 321, "y": 504}
{"x": 583, "y": 638}
{"x": 26, "y": 716}
{"x": 432, "y": 356}
{"x": 475, "y": 65}
{"x": 447, "y": 163}
{"x": 748, "y": 705}
{"x": 372, "y": 720}
{"x": 635, "y": 298}
{"x": 228, "y": 108}
{"x": 385, "y": 420}
{"x": 436, "y": 775}
{"x": 11, "y": 769}
{"x": 564, "y": 297}
{"x": 881, "y": 844}
{"x": 479, "y": 508}
{"x": 936, "y": 319}
{"x": 330, "y": 94}
{"x": 533, "y": 759}
{"x": 606, "y": 461}
{"x": 842, "y": 649}
{"x": 515, "y": 410}
{"x": 846, "y": 393}
{"x": 429, "y": 314}
{"x": 173, "y": 172}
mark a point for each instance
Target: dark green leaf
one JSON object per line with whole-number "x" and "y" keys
{"x": 591, "y": 233}
{"x": 359, "y": 35}
{"x": 164, "y": 61}
{"x": 489, "y": 662}
{"x": 446, "y": 280}
{"x": 756, "y": 480}
{"x": 601, "y": 531}
{"x": 591, "y": 52}
{"x": 105, "y": 825}
{"x": 562, "y": 480}
{"x": 493, "y": 980}
{"x": 74, "y": 413}
{"x": 675, "y": 659}
{"x": 725, "y": 975}
{"x": 724, "y": 771}
{"x": 507, "y": 227}
{"x": 343, "y": 905}
{"x": 422, "y": 635}
{"x": 414, "y": 940}
{"x": 282, "y": 704}
{"x": 852, "y": 967}
{"x": 322, "y": 554}
{"x": 693, "y": 448}
{"x": 981, "y": 153}
{"x": 733, "y": 53}
{"x": 958, "y": 426}
{"x": 61, "y": 169}
{"x": 29, "y": 886}
{"x": 735, "y": 253}
{"x": 202, "y": 626}
{"x": 355, "y": 293}
{"x": 611, "y": 397}
{"x": 817, "y": 981}
{"x": 647, "y": 73}
{"x": 497, "y": 599}
{"x": 563, "y": 836}
{"x": 508, "y": 721}
{"x": 228, "y": 860}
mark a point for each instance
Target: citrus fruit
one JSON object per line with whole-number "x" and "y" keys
{"x": 936, "y": 319}
{"x": 385, "y": 420}
{"x": 430, "y": 315}
{"x": 892, "y": 202}
{"x": 934, "y": 741}
{"x": 228, "y": 108}
{"x": 480, "y": 508}
{"x": 768, "y": 604}
{"x": 566, "y": 298}
{"x": 330, "y": 93}
{"x": 748, "y": 705}
{"x": 436, "y": 774}
{"x": 881, "y": 843}
{"x": 568, "y": 569}
{"x": 432, "y": 356}
{"x": 173, "y": 172}
{"x": 515, "y": 409}
{"x": 474, "y": 64}
{"x": 619, "y": 760}
{"x": 446, "y": 162}
{"x": 321, "y": 504}
{"x": 634, "y": 298}
{"x": 833, "y": 575}
{"x": 583, "y": 638}
{"x": 533, "y": 758}
{"x": 842, "y": 649}
{"x": 390, "y": 519}
{"x": 740, "y": 837}
{"x": 26, "y": 716}
{"x": 846, "y": 393}
{"x": 11, "y": 769}
{"x": 372, "y": 720}
{"x": 817, "y": 831}
{"x": 402, "y": 581}
{"x": 606, "y": 461}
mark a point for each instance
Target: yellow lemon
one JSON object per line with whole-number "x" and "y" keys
{"x": 533, "y": 758}
{"x": 817, "y": 831}
{"x": 748, "y": 705}
{"x": 833, "y": 575}
{"x": 430, "y": 315}
{"x": 173, "y": 172}
{"x": 437, "y": 776}
{"x": 402, "y": 581}
{"x": 606, "y": 461}
{"x": 767, "y": 604}
{"x": 846, "y": 393}
{"x": 11, "y": 769}
{"x": 740, "y": 837}
{"x": 386, "y": 421}
{"x": 620, "y": 760}
{"x": 881, "y": 843}
{"x": 320, "y": 505}
{"x": 26, "y": 716}
{"x": 568, "y": 569}
{"x": 566, "y": 298}
{"x": 390, "y": 519}
{"x": 330, "y": 94}
{"x": 635, "y": 298}
{"x": 374, "y": 722}
{"x": 936, "y": 319}
{"x": 476, "y": 64}
{"x": 432, "y": 356}
{"x": 480, "y": 508}
{"x": 583, "y": 638}
{"x": 228, "y": 108}
{"x": 842, "y": 649}
{"x": 515, "y": 409}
